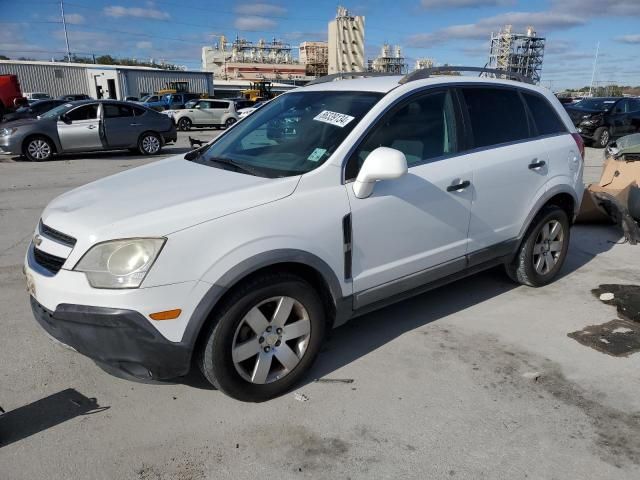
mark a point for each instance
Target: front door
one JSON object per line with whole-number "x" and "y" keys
{"x": 620, "y": 119}
{"x": 80, "y": 131}
{"x": 203, "y": 113}
{"x": 412, "y": 228}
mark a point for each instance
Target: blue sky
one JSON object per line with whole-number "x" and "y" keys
{"x": 450, "y": 31}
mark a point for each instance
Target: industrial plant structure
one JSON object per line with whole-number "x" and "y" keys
{"x": 243, "y": 59}
{"x": 315, "y": 57}
{"x": 388, "y": 61}
{"x": 517, "y": 52}
{"x": 346, "y": 43}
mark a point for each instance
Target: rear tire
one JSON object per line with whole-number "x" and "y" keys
{"x": 229, "y": 122}
{"x": 184, "y": 124}
{"x": 543, "y": 249}
{"x": 149, "y": 143}
{"x": 249, "y": 318}
{"x": 38, "y": 149}
{"x": 601, "y": 137}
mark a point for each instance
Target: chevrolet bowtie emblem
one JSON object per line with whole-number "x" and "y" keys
{"x": 37, "y": 240}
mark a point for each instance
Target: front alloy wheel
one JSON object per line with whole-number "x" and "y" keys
{"x": 39, "y": 149}
{"x": 264, "y": 337}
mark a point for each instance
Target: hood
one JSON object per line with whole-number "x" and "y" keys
{"x": 158, "y": 199}
{"x": 20, "y": 122}
{"x": 579, "y": 114}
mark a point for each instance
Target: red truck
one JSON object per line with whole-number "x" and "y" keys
{"x": 10, "y": 94}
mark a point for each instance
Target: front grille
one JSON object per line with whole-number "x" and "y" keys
{"x": 59, "y": 237}
{"x": 48, "y": 261}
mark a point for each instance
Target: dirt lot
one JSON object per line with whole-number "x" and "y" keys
{"x": 478, "y": 379}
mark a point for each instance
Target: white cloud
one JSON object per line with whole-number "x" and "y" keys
{"x": 151, "y": 12}
{"x": 258, "y": 9}
{"x": 254, "y": 24}
{"x": 144, "y": 45}
{"x": 632, "y": 39}
{"x": 598, "y": 7}
{"x": 433, "y": 4}
{"x": 543, "y": 21}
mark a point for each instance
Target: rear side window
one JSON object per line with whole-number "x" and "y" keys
{"x": 497, "y": 116}
{"x": 544, "y": 116}
{"x": 117, "y": 111}
{"x": 139, "y": 111}
{"x": 223, "y": 105}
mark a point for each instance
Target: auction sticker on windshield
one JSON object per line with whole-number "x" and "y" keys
{"x": 333, "y": 118}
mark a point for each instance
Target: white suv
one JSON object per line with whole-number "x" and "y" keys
{"x": 206, "y": 112}
{"x": 333, "y": 200}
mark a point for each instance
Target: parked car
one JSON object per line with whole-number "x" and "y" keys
{"x": 175, "y": 101}
{"x": 88, "y": 125}
{"x": 36, "y": 96}
{"x": 33, "y": 110}
{"x": 331, "y": 201}
{"x": 206, "y": 112}
{"x": 131, "y": 99}
{"x": 154, "y": 101}
{"x": 74, "y": 97}
{"x": 601, "y": 119}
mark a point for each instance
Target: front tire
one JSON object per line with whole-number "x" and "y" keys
{"x": 149, "y": 144}
{"x": 601, "y": 137}
{"x": 38, "y": 149}
{"x": 264, "y": 338}
{"x": 184, "y": 124}
{"x": 543, "y": 250}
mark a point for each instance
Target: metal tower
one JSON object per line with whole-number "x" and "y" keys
{"x": 517, "y": 52}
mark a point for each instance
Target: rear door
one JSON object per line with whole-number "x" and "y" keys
{"x": 81, "y": 131}
{"x": 119, "y": 125}
{"x": 510, "y": 165}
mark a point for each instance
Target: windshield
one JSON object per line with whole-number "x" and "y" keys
{"x": 600, "y": 104}
{"x": 293, "y": 134}
{"x": 56, "y": 112}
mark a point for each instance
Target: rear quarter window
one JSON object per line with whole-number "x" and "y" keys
{"x": 497, "y": 115}
{"x": 545, "y": 117}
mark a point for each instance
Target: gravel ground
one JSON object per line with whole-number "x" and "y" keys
{"x": 474, "y": 380}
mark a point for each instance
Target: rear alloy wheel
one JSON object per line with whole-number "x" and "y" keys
{"x": 184, "y": 124}
{"x": 265, "y": 338}
{"x": 229, "y": 122}
{"x": 601, "y": 137}
{"x": 38, "y": 149}
{"x": 543, "y": 250}
{"x": 149, "y": 144}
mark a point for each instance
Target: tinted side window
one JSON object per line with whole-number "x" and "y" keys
{"x": 139, "y": 111}
{"x": 621, "y": 107}
{"x": 116, "y": 111}
{"x": 497, "y": 116}
{"x": 204, "y": 105}
{"x": 422, "y": 128}
{"x": 223, "y": 105}
{"x": 634, "y": 105}
{"x": 85, "y": 112}
{"x": 544, "y": 116}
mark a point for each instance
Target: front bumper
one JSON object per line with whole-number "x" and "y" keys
{"x": 10, "y": 145}
{"x": 121, "y": 341}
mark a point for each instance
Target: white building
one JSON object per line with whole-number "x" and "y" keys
{"x": 346, "y": 43}
{"x": 100, "y": 81}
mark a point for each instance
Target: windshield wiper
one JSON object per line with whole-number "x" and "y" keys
{"x": 236, "y": 165}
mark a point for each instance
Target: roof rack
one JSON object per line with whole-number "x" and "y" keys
{"x": 427, "y": 72}
{"x": 348, "y": 75}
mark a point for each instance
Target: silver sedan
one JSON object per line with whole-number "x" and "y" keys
{"x": 85, "y": 126}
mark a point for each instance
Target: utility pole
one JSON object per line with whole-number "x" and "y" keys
{"x": 593, "y": 73}
{"x": 64, "y": 27}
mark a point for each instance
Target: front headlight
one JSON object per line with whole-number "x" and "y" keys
{"x": 5, "y": 132}
{"x": 120, "y": 263}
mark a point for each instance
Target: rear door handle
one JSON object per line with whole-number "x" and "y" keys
{"x": 537, "y": 164}
{"x": 458, "y": 186}
{"x": 135, "y": 124}
{"x": 91, "y": 127}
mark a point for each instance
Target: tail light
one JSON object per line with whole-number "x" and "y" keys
{"x": 579, "y": 142}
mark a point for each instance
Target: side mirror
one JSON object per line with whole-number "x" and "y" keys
{"x": 65, "y": 119}
{"x": 383, "y": 163}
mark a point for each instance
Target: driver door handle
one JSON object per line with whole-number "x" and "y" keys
{"x": 537, "y": 164}
{"x": 458, "y": 186}
{"x": 135, "y": 124}
{"x": 91, "y": 127}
